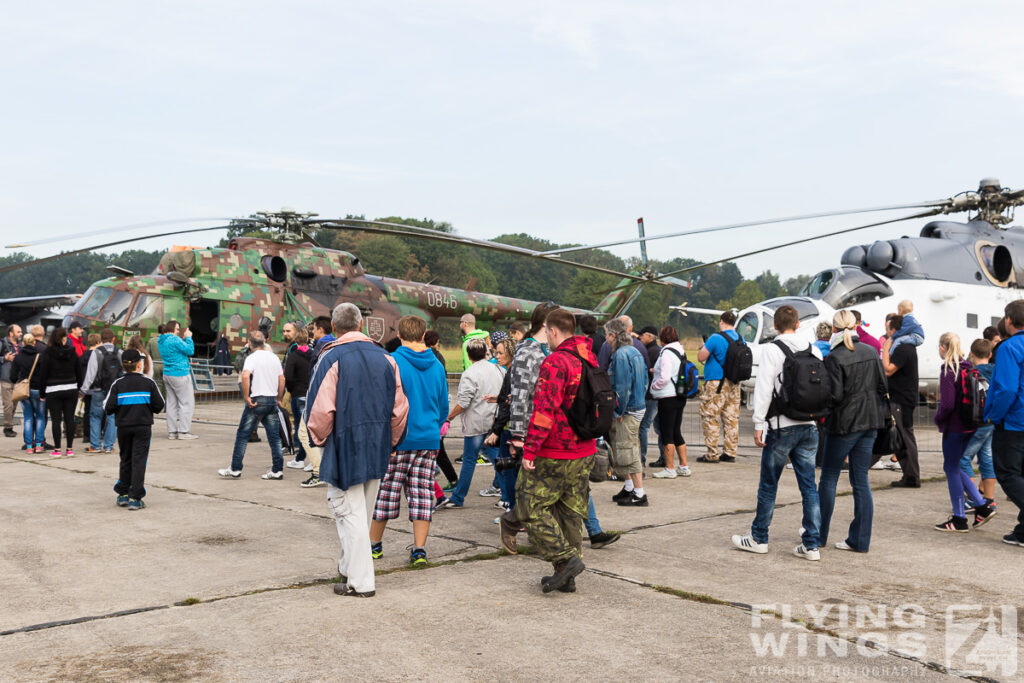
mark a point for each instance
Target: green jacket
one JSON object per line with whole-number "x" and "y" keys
{"x": 473, "y": 334}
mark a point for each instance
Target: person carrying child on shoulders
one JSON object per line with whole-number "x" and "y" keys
{"x": 132, "y": 400}
{"x": 910, "y": 331}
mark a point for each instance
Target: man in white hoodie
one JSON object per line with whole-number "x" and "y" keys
{"x": 782, "y": 439}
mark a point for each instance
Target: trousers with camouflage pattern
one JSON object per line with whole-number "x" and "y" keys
{"x": 551, "y": 502}
{"x": 720, "y": 412}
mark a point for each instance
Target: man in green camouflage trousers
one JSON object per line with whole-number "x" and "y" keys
{"x": 552, "y": 502}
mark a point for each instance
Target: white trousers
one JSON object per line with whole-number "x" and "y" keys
{"x": 352, "y": 510}
{"x": 181, "y": 404}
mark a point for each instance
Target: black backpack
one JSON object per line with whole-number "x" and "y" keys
{"x": 739, "y": 361}
{"x": 806, "y": 390}
{"x": 686, "y": 382}
{"x": 971, "y": 391}
{"x": 108, "y": 368}
{"x": 591, "y": 412}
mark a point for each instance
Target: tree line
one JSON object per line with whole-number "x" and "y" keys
{"x": 718, "y": 286}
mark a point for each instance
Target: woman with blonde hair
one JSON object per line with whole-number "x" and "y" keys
{"x": 955, "y": 437}
{"x": 858, "y": 389}
{"x": 147, "y": 365}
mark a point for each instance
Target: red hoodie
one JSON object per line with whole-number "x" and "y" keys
{"x": 549, "y": 434}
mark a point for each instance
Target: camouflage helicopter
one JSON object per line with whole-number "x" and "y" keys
{"x": 257, "y": 283}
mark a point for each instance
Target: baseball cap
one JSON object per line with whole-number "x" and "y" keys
{"x": 131, "y": 356}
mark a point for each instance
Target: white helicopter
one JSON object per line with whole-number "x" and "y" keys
{"x": 959, "y": 276}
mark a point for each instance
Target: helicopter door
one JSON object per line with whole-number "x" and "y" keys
{"x": 203, "y": 317}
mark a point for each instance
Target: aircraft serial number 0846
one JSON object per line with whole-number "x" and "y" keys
{"x": 441, "y": 300}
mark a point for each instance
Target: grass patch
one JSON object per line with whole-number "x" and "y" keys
{"x": 693, "y": 597}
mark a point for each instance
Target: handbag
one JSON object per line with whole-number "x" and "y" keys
{"x": 22, "y": 390}
{"x": 888, "y": 440}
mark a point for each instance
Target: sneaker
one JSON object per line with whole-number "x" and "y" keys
{"x": 880, "y": 465}
{"x": 135, "y": 504}
{"x": 621, "y": 495}
{"x": 376, "y": 550}
{"x": 602, "y": 539}
{"x": 893, "y": 465}
{"x": 802, "y": 552}
{"x": 491, "y": 492}
{"x": 683, "y": 471}
{"x": 8, "y": 432}
{"x": 789, "y": 465}
{"x": 448, "y": 505}
{"x": 312, "y": 482}
{"x": 660, "y": 462}
{"x": 1010, "y": 539}
{"x": 272, "y": 475}
{"x": 983, "y": 514}
{"x": 748, "y": 543}
{"x": 228, "y": 472}
{"x": 905, "y": 484}
{"x": 345, "y": 589}
{"x": 296, "y": 464}
{"x": 634, "y": 500}
{"x": 108, "y": 450}
{"x": 440, "y": 501}
{"x": 55, "y": 453}
{"x": 68, "y": 453}
{"x": 90, "y": 449}
{"x": 308, "y": 467}
{"x": 501, "y": 505}
{"x": 172, "y": 436}
{"x": 457, "y": 460}
{"x": 563, "y": 572}
{"x": 843, "y": 545}
{"x": 705, "y": 458}
{"x": 481, "y": 461}
{"x": 450, "y": 487}
{"x": 122, "y": 501}
{"x": 727, "y": 458}
{"x": 187, "y": 435}
{"x": 418, "y": 557}
{"x": 37, "y": 449}
{"x": 954, "y": 524}
{"x": 969, "y": 506}
{"x": 665, "y": 474}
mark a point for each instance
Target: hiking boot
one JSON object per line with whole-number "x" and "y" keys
{"x": 376, "y": 550}
{"x": 418, "y": 557}
{"x": 621, "y": 495}
{"x": 8, "y": 432}
{"x": 122, "y": 501}
{"x": 634, "y": 500}
{"x": 508, "y": 530}
{"x": 312, "y": 482}
{"x": 803, "y": 552}
{"x": 569, "y": 587}
{"x": 748, "y": 543}
{"x": 705, "y": 458}
{"x": 602, "y": 539}
{"x": 564, "y": 571}
{"x": 983, "y": 514}
{"x": 345, "y": 589}
{"x": 954, "y": 524}
{"x": 727, "y": 458}
{"x": 905, "y": 484}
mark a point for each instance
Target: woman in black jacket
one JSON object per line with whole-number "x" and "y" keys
{"x": 61, "y": 378}
{"x": 33, "y": 410}
{"x": 506, "y": 466}
{"x": 296, "y": 382}
{"x": 858, "y": 389}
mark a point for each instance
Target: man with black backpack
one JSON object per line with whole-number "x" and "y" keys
{"x": 727, "y": 362}
{"x": 104, "y": 367}
{"x": 552, "y": 491}
{"x": 792, "y": 392}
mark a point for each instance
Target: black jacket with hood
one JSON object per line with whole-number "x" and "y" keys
{"x": 62, "y": 372}
{"x": 858, "y": 389}
{"x": 21, "y": 366}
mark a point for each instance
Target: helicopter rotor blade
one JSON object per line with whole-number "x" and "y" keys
{"x": 426, "y": 233}
{"x": 106, "y": 231}
{"x": 748, "y": 224}
{"x": 923, "y": 214}
{"x": 45, "y": 259}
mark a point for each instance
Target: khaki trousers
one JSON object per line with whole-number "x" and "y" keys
{"x": 720, "y": 412}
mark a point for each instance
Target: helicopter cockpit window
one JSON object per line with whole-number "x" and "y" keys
{"x": 148, "y": 311}
{"x": 116, "y": 310}
{"x": 855, "y": 286}
{"x": 768, "y": 331}
{"x": 747, "y": 327}
{"x": 819, "y": 284}
{"x": 94, "y": 303}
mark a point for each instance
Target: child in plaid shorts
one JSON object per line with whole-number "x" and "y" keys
{"x": 412, "y": 465}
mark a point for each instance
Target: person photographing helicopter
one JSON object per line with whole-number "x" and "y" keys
{"x": 176, "y": 347}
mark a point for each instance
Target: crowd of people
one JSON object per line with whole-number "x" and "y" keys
{"x": 536, "y": 402}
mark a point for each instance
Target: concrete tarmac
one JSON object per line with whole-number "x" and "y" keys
{"x": 230, "y": 580}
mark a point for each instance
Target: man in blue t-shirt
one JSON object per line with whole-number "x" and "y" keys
{"x": 719, "y": 398}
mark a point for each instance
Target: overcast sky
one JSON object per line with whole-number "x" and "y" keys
{"x": 566, "y": 120}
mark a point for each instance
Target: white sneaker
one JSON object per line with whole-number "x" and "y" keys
{"x": 841, "y": 545}
{"x": 801, "y": 531}
{"x": 880, "y": 465}
{"x": 491, "y": 492}
{"x": 789, "y": 465}
{"x": 272, "y": 475}
{"x": 187, "y": 435}
{"x": 296, "y": 464}
{"x": 893, "y": 465}
{"x": 308, "y": 467}
{"x": 228, "y": 472}
{"x": 172, "y": 435}
{"x": 501, "y": 505}
{"x": 748, "y": 543}
{"x": 683, "y": 471}
{"x": 812, "y": 555}
{"x": 665, "y": 474}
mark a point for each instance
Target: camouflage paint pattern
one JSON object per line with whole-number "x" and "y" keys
{"x": 238, "y": 280}
{"x": 551, "y": 502}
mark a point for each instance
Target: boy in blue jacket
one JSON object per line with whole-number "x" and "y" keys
{"x": 412, "y": 466}
{"x": 1004, "y": 407}
{"x": 132, "y": 400}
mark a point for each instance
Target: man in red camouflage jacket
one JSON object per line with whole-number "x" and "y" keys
{"x": 552, "y": 491}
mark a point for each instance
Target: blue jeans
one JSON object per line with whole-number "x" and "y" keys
{"x": 506, "y": 477}
{"x": 592, "y": 525}
{"x": 98, "y": 422}
{"x": 470, "y": 447}
{"x": 797, "y": 444}
{"x": 858, "y": 446}
{"x": 265, "y": 412}
{"x": 298, "y": 405}
{"x": 33, "y": 417}
{"x": 980, "y": 445}
{"x": 644, "y": 431}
